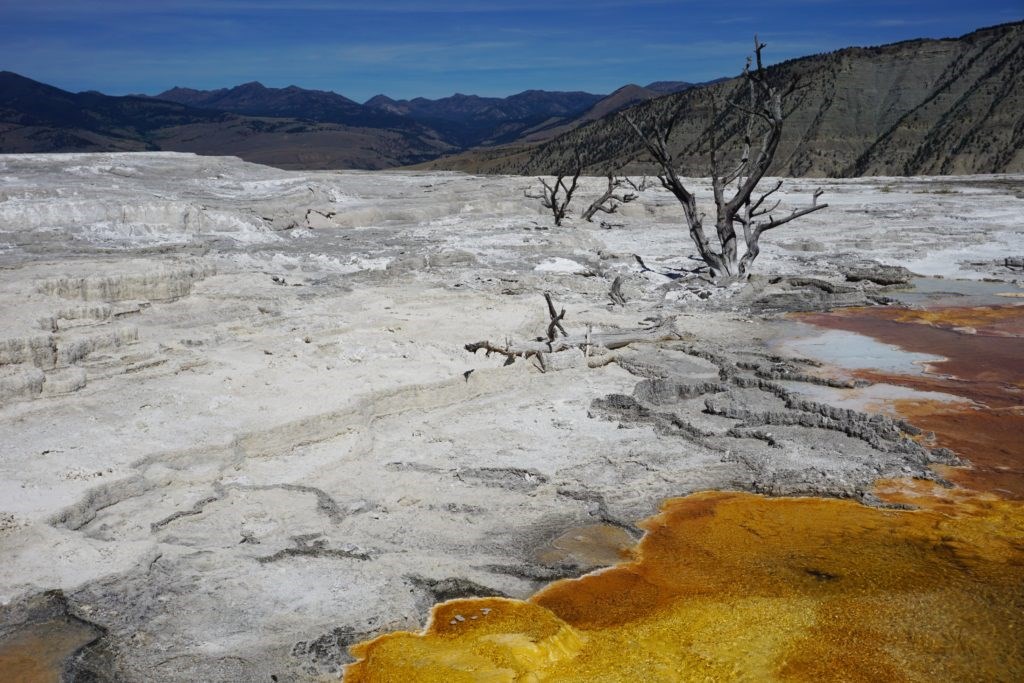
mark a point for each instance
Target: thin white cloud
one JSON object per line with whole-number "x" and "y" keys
{"x": 134, "y": 7}
{"x": 409, "y": 53}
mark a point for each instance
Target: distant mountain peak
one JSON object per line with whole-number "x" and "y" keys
{"x": 179, "y": 90}
{"x": 255, "y": 99}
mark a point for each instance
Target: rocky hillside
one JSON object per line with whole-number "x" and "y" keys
{"x": 35, "y": 117}
{"x": 624, "y": 97}
{"x": 916, "y": 107}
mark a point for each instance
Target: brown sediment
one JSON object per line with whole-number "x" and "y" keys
{"x": 970, "y": 345}
{"x": 991, "y": 394}
{"x": 732, "y": 586}
{"x": 984, "y": 351}
{"x": 948, "y": 500}
{"x": 593, "y": 545}
{"x": 991, "y": 438}
{"x": 38, "y": 652}
{"x": 996, "y": 321}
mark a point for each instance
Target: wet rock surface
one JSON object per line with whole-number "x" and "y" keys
{"x": 1014, "y": 262}
{"x": 238, "y": 435}
{"x": 41, "y": 639}
{"x": 879, "y": 274}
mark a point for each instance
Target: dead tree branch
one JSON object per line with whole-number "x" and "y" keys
{"x": 555, "y": 325}
{"x": 609, "y": 201}
{"x": 615, "y": 293}
{"x": 644, "y": 183}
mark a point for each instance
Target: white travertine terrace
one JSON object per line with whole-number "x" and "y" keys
{"x": 236, "y": 427}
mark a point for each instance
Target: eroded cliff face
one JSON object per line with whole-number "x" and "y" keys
{"x": 919, "y": 107}
{"x": 969, "y": 120}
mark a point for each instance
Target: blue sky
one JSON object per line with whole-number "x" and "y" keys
{"x": 405, "y": 48}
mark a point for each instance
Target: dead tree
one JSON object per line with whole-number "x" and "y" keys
{"x": 557, "y": 196}
{"x": 644, "y": 183}
{"x": 609, "y": 202}
{"x": 764, "y": 119}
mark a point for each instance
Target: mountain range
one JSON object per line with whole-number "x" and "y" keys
{"x": 286, "y": 127}
{"x": 35, "y": 117}
{"x": 915, "y": 107}
{"x": 461, "y": 120}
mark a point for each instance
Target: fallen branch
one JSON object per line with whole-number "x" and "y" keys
{"x": 664, "y": 331}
